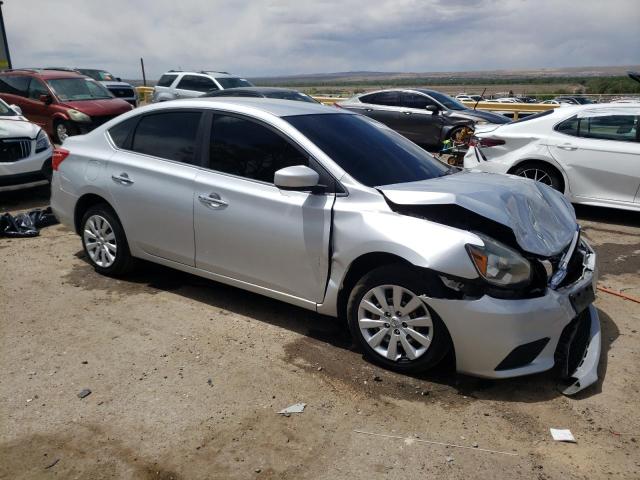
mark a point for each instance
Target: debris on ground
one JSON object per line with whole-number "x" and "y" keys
{"x": 449, "y": 459}
{"x": 295, "y": 408}
{"x": 26, "y": 224}
{"x": 84, "y": 393}
{"x": 210, "y": 382}
{"x": 52, "y": 464}
{"x": 562, "y": 435}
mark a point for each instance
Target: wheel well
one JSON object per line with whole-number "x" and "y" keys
{"x": 548, "y": 165}
{"x": 84, "y": 203}
{"x": 358, "y": 268}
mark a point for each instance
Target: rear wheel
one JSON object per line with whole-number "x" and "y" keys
{"x": 392, "y": 324}
{"x": 104, "y": 241}
{"x": 540, "y": 172}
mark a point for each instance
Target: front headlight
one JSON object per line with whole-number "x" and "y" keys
{"x": 77, "y": 116}
{"x": 499, "y": 264}
{"x": 42, "y": 142}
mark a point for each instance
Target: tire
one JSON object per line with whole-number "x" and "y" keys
{"x": 105, "y": 242}
{"x": 62, "y": 128}
{"x": 541, "y": 172}
{"x": 385, "y": 330}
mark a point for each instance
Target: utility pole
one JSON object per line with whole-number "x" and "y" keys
{"x": 144, "y": 76}
{"x": 5, "y": 57}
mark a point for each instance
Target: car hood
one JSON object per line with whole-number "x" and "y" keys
{"x": 480, "y": 115}
{"x": 542, "y": 220}
{"x": 17, "y": 128}
{"x": 111, "y": 83}
{"x": 98, "y": 108}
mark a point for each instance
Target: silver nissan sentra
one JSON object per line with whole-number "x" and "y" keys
{"x": 334, "y": 212}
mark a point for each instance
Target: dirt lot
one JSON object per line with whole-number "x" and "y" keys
{"x": 187, "y": 376}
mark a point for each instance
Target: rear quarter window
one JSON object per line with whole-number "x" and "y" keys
{"x": 122, "y": 132}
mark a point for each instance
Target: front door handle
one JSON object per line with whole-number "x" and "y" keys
{"x": 407, "y": 113}
{"x": 567, "y": 147}
{"x": 213, "y": 200}
{"x": 123, "y": 179}
{"x": 368, "y": 109}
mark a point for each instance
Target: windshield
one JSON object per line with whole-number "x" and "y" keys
{"x": 6, "y": 111}
{"x": 368, "y": 151}
{"x": 286, "y": 95}
{"x": 233, "y": 82}
{"x": 78, "y": 89}
{"x": 99, "y": 75}
{"x": 446, "y": 100}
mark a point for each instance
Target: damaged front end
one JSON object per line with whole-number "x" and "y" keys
{"x": 552, "y": 321}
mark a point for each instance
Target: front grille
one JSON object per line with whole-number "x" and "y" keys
{"x": 12, "y": 149}
{"x": 122, "y": 92}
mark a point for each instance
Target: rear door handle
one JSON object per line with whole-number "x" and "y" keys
{"x": 368, "y": 109}
{"x": 567, "y": 147}
{"x": 407, "y": 113}
{"x": 213, "y": 200}
{"x": 123, "y": 178}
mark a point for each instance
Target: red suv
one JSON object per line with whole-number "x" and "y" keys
{"x": 62, "y": 103}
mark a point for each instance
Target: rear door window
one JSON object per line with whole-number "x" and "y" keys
{"x": 170, "y": 135}
{"x": 196, "y": 83}
{"x": 248, "y": 149}
{"x": 15, "y": 85}
{"x": 390, "y": 99}
{"x": 166, "y": 80}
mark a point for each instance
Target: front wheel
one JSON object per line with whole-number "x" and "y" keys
{"x": 392, "y": 324}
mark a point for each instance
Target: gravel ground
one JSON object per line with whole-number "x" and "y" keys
{"x": 186, "y": 377}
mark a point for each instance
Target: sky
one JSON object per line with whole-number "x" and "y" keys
{"x": 270, "y": 38}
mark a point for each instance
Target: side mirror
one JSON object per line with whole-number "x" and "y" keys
{"x": 432, "y": 108}
{"x": 298, "y": 177}
{"x": 16, "y": 109}
{"x": 46, "y": 99}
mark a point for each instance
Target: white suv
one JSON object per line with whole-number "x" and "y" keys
{"x": 177, "y": 84}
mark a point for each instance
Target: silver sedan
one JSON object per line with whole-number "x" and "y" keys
{"x": 334, "y": 212}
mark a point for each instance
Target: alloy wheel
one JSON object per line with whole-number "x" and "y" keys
{"x": 395, "y": 323}
{"x": 100, "y": 241}
{"x": 61, "y": 132}
{"x": 538, "y": 175}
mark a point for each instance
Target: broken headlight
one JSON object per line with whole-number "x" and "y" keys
{"x": 498, "y": 264}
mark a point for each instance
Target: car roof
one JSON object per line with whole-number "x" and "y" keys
{"x": 45, "y": 74}
{"x": 275, "y": 107}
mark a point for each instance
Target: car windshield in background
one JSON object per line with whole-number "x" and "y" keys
{"x": 300, "y": 97}
{"x": 371, "y": 153}
{"x": 233, "y": 82}
{"x": 446, "y": 100}
{"x": 6, "y": 111}
{"x": 78, "y": 89}
{"x": 99, "y": 75}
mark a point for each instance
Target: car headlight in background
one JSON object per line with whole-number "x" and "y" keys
{"x": 498, "y": 264}
{"x": 77, "y": 116}
{"x": 42, "y": 141}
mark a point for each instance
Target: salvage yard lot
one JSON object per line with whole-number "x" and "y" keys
{"x": 187, "y": 376}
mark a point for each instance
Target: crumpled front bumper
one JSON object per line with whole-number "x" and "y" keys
{"x": 485, "y": 331}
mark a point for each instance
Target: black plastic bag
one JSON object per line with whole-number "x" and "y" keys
{"x": 26, "y": 224}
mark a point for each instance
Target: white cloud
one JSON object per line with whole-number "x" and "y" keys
{"x": 285, "y": 37}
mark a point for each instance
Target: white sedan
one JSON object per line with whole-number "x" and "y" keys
{"x": 25, "y": 151}
{"x": 591, "y": 153}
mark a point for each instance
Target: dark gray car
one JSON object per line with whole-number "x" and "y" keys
{"x": 262, "y": 92}
{"x": 426, "y": 117}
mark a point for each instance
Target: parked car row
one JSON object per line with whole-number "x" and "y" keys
{"x": 337, "y": 213}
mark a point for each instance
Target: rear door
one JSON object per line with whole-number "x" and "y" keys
{"x": 417, "y": 123}
{"x": 151, "y": 178}
{"x": 601, "y": 155}
{"x": 382, "y": 106}
{"x": 191, "y": 86}
{"x": 246, "y": 228}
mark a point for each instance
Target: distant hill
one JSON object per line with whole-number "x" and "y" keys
{"x": 506, "y": 75}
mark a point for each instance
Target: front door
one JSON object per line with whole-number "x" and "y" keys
{"x": 152, "y": 184}
{"x": 601, "y": 154}
{"x": 419, "y": 124}
{"x": 245, "y": 227}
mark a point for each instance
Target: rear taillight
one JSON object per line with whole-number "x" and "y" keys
{"x": 59, "y": 154}
{"x": 485, "y": 142}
